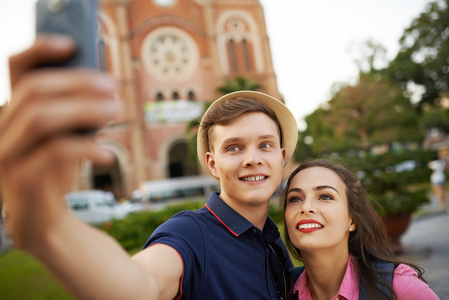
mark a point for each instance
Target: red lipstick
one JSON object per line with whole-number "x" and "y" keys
{"x": 308, "y": 225}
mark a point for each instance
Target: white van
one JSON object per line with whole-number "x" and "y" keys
{"x": 94, "y": 206}
{"x": 156, "y": 194}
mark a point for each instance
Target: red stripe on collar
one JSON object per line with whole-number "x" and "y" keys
{"x": 221, "y": 221}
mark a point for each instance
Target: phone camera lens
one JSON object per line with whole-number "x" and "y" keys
{"x": 56, "y": 6}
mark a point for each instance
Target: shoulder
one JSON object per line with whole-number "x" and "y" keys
{"x": 187, "y": 216}
{"x": 182, "y": 223}
{"x": 182, "y": 228}
{"x": 407, "y": 285}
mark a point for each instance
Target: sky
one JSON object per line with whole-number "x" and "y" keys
{"x": 314, "y": 43}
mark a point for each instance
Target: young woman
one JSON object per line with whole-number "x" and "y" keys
{"x": 332, "y": 227}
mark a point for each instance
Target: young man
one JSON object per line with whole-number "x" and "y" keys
{"x": 227, "y": 250}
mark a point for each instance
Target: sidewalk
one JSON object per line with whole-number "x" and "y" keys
{"x": 426, "y": 243}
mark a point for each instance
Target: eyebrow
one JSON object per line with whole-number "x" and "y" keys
{"x": 267, "y": 136}
{"x": 231, "y": 140}
{"x": 317, "y": 188}
{"x": 237, "y": 139}
{"x": 323, "y": 187}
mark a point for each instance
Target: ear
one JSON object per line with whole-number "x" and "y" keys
{"x": 283, "y": 157}
{"x": 210, "y": 161}
{"x": 352, "y": 223}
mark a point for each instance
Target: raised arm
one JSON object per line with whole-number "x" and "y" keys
{"x": 40, "y": 158}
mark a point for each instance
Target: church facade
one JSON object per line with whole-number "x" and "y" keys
{"x": 171, "y": 56}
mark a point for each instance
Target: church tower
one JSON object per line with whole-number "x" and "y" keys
{"x": 171, "y": 56}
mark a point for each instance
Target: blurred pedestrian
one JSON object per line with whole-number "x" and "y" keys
{"x": 438, "y": 178}
{"x": 331, "y": 226}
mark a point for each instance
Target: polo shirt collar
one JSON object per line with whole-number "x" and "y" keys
{"x": 233, "y": 221}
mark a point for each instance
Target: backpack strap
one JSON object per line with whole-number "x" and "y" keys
{"x": 295, "y": 273}
{"x": 385, "y": 274}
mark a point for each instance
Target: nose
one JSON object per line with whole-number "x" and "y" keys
{"x": 252, "y": 157}
{"x": 307, "y": 207}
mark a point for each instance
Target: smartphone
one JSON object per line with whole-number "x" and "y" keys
{"x": 76, "y": 18}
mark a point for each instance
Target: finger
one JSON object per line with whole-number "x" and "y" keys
{"x": 46, "y": 83}
{"x": 46, "y": 48}
{"x": 65, "y": 152}
{"x": 65, "y": 149}
{"x": 37, "y": 125}
{"x": 49, "y": 166}
{"x": 46, "y": 86}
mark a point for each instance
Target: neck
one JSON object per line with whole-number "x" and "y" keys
{"x": 325, "y": 272}
{"x": 257, "y": 217}
{"x": 255, "y": 212}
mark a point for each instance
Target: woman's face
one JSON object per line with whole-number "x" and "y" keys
{"x": 316, "y": 213}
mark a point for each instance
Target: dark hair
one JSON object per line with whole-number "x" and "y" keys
{"x": 226, "y": 111}
{"x": 369, "y": 242}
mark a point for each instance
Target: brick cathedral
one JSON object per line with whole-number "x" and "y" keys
{"x": 171, "y": 56}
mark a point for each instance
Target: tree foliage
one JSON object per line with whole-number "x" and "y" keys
{"x": 374, "y": 128}
{"x": 424, "y": 52}
{"x": 238, "y": 84}
{"x": 435, "y": 117}
{"x": 369, "y": 114}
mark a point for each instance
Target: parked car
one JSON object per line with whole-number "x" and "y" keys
{"x": 156, "y": 194}
{"x": 95, "y": 206}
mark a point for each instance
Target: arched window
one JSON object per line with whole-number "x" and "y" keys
{"x": 191, "y": 96}
{"x": 159, "y": 97}
{"x": 246, "y": 56}
{"x": 232, "y": 55}
{"x": 175, "y": 96}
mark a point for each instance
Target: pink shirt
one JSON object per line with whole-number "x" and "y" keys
{"x": 405, "y": 283}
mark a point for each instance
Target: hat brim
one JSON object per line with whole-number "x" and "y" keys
{"x": 286, "y": 120}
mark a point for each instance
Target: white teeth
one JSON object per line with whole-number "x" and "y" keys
{"x": 253, "y": 178}
{"x": 309, "y": 225}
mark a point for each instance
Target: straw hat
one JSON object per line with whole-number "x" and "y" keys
{"x": 284, "y": 116}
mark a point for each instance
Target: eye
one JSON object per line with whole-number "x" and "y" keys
{"x": 265, "y": 146}
{"x": 294, "y": 199}
{"x": 233, "y": 148}
{"x": 325, "y": 197}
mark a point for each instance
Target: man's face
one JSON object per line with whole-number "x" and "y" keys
{"x": 247, "y": 158}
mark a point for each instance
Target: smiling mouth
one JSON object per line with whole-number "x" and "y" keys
{"x": 309, "y": 226}
{"x": 253, "y": 178}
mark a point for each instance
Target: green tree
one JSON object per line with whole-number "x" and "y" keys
{"x": 435, "y": 117}
{"x": 375, "y": 128}
{"x": 238, "y": 84}
{"x": 423, "y": 58}
{"x": 365, "y": 115}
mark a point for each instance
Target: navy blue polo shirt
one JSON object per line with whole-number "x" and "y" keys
{"x": 224, "y": 255}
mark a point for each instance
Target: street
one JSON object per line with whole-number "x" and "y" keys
{"x": 426, "y": 243}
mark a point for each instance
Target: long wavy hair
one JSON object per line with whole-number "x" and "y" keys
{"x": 369, "y": 242}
